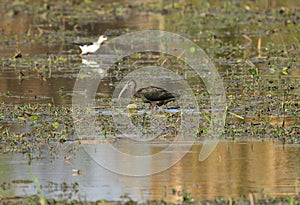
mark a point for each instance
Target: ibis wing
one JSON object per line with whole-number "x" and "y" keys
{"x": 153, "y": 93}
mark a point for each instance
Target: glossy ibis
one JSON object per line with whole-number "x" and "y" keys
{"x": 156, "y": 96}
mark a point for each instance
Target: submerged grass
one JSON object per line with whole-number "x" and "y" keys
{"x": 37, "y": 128}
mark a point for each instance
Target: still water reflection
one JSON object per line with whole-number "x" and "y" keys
{"x": 234, "y": 169}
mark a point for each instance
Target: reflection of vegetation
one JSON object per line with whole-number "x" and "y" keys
{"x": 184, "y": 198}
{"x": 68, "y": 190}
{"x": 5, "y": 188}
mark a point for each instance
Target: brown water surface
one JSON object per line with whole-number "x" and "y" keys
{"x": 234, "y": 169}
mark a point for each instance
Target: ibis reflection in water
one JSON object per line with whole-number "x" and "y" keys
{"x": 156, "y": 96}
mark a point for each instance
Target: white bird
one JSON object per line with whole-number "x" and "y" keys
{"x": 91, "y": 47}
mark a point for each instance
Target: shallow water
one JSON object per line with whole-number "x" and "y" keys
{"x": 233, "y": 169}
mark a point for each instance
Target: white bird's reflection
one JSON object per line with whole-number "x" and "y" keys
{"x": 96, "y": 67}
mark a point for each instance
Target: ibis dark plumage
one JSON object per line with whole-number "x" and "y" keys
{"x": 91, "y": 47}
{"x": 151, "y": 94}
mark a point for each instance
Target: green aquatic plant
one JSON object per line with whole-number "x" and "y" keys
{"x": 43, "y": 200}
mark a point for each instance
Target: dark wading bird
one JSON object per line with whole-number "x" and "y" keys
{"x": 156, "y": 96}
{"x": 90, "y": 47}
